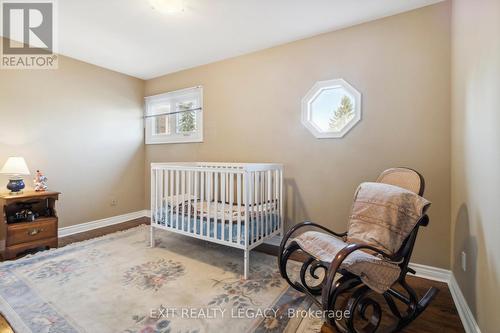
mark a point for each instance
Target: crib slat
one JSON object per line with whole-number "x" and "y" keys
{"x": 227, "y": 183}
{"x": 223, "y": 199}
{"x": 231, "y": 200}
{"x": 258, "y": 204}
{"x": 248, "y": 195}
{"x": 262, "y": 202}
{"x": 275, "y": 194}
{"x": 166, "y": 184}
{"x": 252, "y": 225}
{"x": 161, "y": 203}
{"x": 275, "y": 201}
{"x": 159, "y": 198}
{"x": 238, "y": 195}
{"x": 171, "y": 196}
{"x": 155, "y": 198}
{"x": 256, "y": 207}
{"x": 160, "y": 193}
{"x": 152, "y": 193}
{"x": 281, "y": 201}
{"x": 189, "y": 183}
{"x": 209, "y": 197}
{"x": 269, "y": 201}
{"x": 202, "y": 199}
{"x": 216, "y": 203}
{"x": 177, "y": 199}
{"x": 195, "y": 203}
{"x": 183, "y": 198}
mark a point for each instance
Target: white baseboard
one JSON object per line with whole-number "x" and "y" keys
{"x": 468, "y": 320}
{"x": 431, "y": 272}
{"x": 75, "y": 229}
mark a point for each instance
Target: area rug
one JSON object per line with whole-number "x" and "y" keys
{"x": 117, "y": 283}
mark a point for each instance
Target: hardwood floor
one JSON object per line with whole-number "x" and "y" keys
{"x": 441, "y": 315}
{"x": 63, "y": 241}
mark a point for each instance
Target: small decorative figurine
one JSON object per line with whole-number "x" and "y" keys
{"x": 40, "y": 182}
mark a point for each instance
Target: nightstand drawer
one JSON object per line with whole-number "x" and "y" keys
{"x": 31, "y": 231}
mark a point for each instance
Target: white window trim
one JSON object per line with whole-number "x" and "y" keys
{"x": 173, "y": 97}
{"x": 314, "y": 92}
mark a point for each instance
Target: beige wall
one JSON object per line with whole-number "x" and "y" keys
{"x": 476, "y": 155}
{"x": 81, "y": 125}
{"x": 252, "y": 113}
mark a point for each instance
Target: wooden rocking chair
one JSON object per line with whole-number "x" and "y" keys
{"x": 365, "y": 312}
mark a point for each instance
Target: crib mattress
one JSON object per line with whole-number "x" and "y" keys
{"x": 203, "y": 224}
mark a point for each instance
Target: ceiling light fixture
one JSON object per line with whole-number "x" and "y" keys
{"x": 168, "y": 6}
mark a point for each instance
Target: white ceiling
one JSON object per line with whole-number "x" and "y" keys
{"x": 129, "y": 36}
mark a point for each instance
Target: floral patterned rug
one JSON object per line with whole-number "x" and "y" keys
{"x": 116, "y": 283}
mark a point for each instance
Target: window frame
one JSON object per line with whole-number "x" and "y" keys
{"x": 172, "y": 98}
{"x": 314, "y": 92}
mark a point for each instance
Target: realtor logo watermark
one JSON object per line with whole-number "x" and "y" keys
{"x": 166, "y": 312}
{"x": 29, "y": 31}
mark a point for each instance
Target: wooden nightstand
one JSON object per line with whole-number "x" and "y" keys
{"x": 17, "y": 237}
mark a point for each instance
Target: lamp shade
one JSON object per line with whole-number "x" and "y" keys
{"x": 15, "y": 166}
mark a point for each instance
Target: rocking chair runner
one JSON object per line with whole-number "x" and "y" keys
{"x": 355, "y": 284}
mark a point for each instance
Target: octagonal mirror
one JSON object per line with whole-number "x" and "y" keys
{"x": 331, "y": 108}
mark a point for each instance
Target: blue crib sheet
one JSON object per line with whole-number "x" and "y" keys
{"x": 189, "y": 226}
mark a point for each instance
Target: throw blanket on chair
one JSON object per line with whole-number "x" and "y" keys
{"x": 382, "y": 216}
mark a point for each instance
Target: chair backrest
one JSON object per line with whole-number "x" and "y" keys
{"x": 413, "y": 181}
{"x": 403, "y": 177}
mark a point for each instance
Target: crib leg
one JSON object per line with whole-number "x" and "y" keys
{"x": 152, "y": 237}
{"x": 246, "y": 264}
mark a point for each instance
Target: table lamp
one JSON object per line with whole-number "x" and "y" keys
{"x": 15, "y": 168}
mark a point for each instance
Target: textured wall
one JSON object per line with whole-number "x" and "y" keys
{"x": 81, "y": 125}
{"x": 476, "y": 156}
{"x": 400, "y": 64}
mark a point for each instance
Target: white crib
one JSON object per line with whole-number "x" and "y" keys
{"x": 234, "y": 204}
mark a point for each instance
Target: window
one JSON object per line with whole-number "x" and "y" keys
{"x": 175, "y": 117}
{"x": 331, "y": 108}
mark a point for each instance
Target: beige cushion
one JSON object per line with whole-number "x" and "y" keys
{"x": 383, "y": 216}
{"x": 376, "y": 273}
